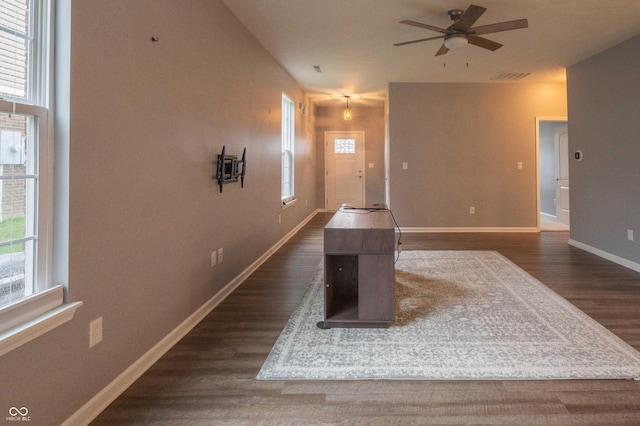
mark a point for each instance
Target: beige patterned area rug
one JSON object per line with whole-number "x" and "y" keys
{"x": 459, "y": 315}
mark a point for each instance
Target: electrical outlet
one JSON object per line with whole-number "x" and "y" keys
{"x": 630, "y": 234}
{"x": 220, "y": 255}
{"x": 472, "y": 210}
{"x": 95, "y": 332}
{"x": 214, "y": 257}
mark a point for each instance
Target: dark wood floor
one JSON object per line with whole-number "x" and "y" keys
{"x": 208, "y": 378}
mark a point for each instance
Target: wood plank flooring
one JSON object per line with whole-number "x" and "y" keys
{"x": 208, "y": 377}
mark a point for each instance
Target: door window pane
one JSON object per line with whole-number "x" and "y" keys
{"x": 344, "y": 146}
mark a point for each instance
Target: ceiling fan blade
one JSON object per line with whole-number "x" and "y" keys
{"x": 420, "y": 40}
{"x": 469, "y": 17}
{"x": 442, "y": 51}
{"x": 484, "y": 43}
{"x": 501, "y": 26}
{"x": 421, "y": 25}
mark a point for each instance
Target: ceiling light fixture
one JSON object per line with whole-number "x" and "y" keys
{"x": 455, "y": 41}
{"x": 347, "y": 114}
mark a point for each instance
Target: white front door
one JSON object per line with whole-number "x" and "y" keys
{"x": 344, "y": 169}
{"x": 562, "y": 181}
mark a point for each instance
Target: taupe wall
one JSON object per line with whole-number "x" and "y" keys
{"x": 146, "y": 121}
{"x": 604, "y": 106}
{"x": 371, "y": 121}
{"x": 462, "y": 144}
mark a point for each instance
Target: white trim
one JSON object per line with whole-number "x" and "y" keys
{"x": 537, "y": 130}
{"x": 288, "y": 201}
{"x": 107, "y": 395}
{"x": 30, "y": 308}
{"x": 605, "y": 255}
{"x": 463, "y": 229}
{"x": 25, "y": 332}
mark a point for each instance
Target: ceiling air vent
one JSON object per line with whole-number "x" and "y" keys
{"x": 510, "y": 76}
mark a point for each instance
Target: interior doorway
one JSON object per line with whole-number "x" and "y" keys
{"x": 344, "y": 169}
{"x": 553, "y": 173}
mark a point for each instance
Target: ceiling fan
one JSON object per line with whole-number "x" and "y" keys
{"x": 461, "y": 31}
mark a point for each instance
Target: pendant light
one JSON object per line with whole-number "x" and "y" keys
{"x": 347, "y": 114}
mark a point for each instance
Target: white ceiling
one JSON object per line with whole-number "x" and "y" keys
{"x": 352, "y": 41}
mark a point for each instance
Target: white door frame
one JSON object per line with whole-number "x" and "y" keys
{"x": 538, "y": 120}
{"x": 562, "y": 179}
{"x": 327, "y": 134}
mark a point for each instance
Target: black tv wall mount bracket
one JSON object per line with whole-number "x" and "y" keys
{"x": 229, "y": 169}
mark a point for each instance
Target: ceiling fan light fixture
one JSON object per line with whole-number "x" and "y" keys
{"x": 455, "y": 41}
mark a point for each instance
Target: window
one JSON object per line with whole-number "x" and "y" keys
{"x": 288, "y": 136}
{"x": 28, "y": 300}
{"x": 22, "y": 142}
{"x": 18, "y": 58}
{"x": 344, "y": 146}
{"x": 18, "y": 201}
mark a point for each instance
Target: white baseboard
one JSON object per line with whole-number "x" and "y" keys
{"x": 106, "y": 396}
{"x": 605, "y": 255}
{"x": 470, "y": 229}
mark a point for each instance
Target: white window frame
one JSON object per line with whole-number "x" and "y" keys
{"x": 288, "y": 155}
{"x": 32, "y": 316}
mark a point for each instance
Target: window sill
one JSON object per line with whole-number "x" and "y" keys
{"x": 29, "y": 330}
{"x": 286, "y": 202}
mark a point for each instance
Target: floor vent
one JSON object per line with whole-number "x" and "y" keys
{"x": 510, "y": 76}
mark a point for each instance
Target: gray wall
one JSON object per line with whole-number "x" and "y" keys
{"x": 146, "y": 121}
{"x": 462, "y": 143}
{"x": 371, "y": 121}
{"x": 604, "y": 108}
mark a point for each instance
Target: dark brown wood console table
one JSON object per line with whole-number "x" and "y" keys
{"x": 359, "y": 247}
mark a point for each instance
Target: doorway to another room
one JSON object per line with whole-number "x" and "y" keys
{"x": 553, "y": 173}
{"x": 344, "y": 169}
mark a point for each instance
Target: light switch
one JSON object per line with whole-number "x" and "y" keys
{"x": 371, "y": 165}
{"x": 519, "y": 165}
{"x": 405, "y": 165}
